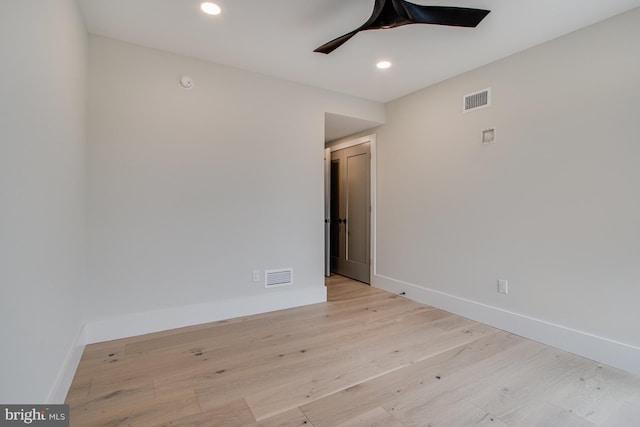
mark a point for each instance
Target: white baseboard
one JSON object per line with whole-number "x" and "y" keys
{"x": 60, "y": 388}
{"x": 134, "y": 324}
{"x": 600, "y": 349}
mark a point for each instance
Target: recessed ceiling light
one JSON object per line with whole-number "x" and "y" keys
{"x": 210, "y": 8}
{"x": 383, "y": 65}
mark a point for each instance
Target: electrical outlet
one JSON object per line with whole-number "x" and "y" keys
{"x": 256, "y": 275}
{"x": 503, "y": 287}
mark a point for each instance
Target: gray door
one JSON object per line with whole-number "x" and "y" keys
{"x": 351, "y": 212}
{"x": 327, "y": 212}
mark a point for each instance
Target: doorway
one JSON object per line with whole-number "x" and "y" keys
{"x": 349, "y": 224}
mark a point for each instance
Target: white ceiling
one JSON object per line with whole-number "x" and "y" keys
{"x": 277, "y": 37}
{"x": 337, "y": 126}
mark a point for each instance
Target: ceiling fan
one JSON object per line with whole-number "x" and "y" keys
{"x": 394, "y": 13}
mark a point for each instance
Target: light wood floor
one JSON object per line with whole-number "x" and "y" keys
{"x": 365, "y": 358}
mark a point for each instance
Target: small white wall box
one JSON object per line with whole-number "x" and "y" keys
{"x": 186, "y": 82}
{"x": 489, "y": 136}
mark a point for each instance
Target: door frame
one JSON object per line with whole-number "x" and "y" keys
{"x": 329, "y": 148}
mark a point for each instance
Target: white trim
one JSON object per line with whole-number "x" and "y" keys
{"x": 327, "y": 211}
{"x": 373, "y": 197}
{"x": 374, "y": 207}
{"x": 604, "y": 350}
{"x": 351, "y": 143}
{"x": 134, "y": 324}
{"x": 61, "y": 385}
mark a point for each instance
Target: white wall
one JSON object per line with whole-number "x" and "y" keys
{"x": 552, "y": 206}
{"x": 190, "y": 190}
{"x": 43, "y": 48}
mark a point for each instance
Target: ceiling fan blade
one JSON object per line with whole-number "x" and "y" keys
{"x": 442, "y": 15}
{"x": 336, "y": 43}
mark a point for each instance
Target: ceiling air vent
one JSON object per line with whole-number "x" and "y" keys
{"x": 476, "y": 100}
{"x": 280, "y": 277}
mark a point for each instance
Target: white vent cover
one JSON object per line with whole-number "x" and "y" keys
{"x": 476, "y": 100}
{"x": 280, "y": 277}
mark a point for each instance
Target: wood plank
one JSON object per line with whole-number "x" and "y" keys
{"x": 408, "y": 384}
{"x": 256, "y": 369}
{"x": 512, "y": 397}
{"x": 140, "y": 406}
{"x": 595, "y": 392}
{"x": 293, "y": 418}
{"x": 229, "y": 414}
{"x": 548, "y": 415}
{"x": 377, "y": 417}
{"x": 251, "y": 371}
{"x": 401, "y": 349}
{"x": 626, "y": 415}
{"x": 464, "y": 415}
{"x": 473, "y": 386}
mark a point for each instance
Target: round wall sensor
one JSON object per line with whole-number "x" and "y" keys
{"x": 186, "y": 82}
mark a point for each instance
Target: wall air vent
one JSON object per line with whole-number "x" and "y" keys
{"x": 476, "y": 100}
{"x": 280, "y": 277}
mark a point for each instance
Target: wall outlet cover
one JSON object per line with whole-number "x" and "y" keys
{"x": 503, "y": 287}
